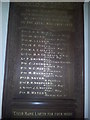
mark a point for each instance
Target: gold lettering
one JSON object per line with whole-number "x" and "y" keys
{"x": 15, "y": 113}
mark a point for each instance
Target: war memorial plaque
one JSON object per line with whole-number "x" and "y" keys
{"x": 44, "y": 61}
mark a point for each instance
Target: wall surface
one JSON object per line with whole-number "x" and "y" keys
{"x": 4, "y": 16}
{"x": 89, "y": 60}
{"x": 86, "y": 57}
{"x": 0, "y": 53}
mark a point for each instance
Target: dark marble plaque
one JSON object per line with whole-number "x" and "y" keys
{"x": 44, "y": 61}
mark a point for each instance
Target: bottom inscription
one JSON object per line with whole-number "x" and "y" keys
{"x": 27, "y": 113}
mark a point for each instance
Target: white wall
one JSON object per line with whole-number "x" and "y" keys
{"x": 4, "y": 16}
{"x": 89, "y": 60}
{"x": 86, "y": 56}
{"x": 0, "y": 55}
